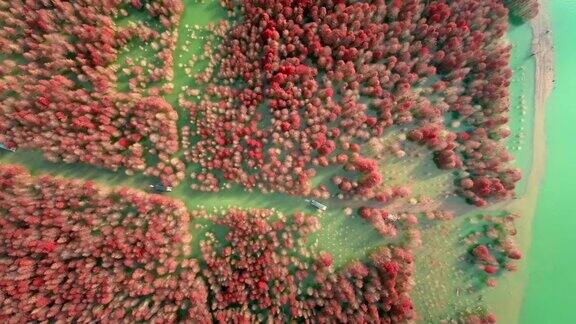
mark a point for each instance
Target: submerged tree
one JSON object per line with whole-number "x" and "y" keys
{"x": 522, "y": 9}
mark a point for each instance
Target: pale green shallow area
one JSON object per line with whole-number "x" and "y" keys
{"x": 440, "y": 293}
{"x": 549, "y": 297}
{"x": 447, "y": 287}
{"x": 521, "y": 100}
{"x": 506, "y": 299}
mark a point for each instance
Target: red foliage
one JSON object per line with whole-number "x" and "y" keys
{"x": 366, "y": 213}
{"x": 254, "y": 272}
{"x": 325, "y": 259}
{"x": 70, "y": 107}
{"x": 365, "y": 165}
{"x": 490, "y": 269}
{"x": 515, "y": 254}
{"x": 73, "y": 252}
{"x": 371, "y": 180}
{"x": 380, "y": 220}
{"x": 342, "y": 67}
{"x": 136, "y": 4}
{"x": 482, "y": 253}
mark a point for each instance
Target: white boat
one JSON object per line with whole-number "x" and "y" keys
{"x": 160, "y": 188}
{"x": 2, "y": 146}
{"x": 317, "y": 205}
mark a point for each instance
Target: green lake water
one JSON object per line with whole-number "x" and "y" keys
{"x": 549, "y": 295}
{"x": 552, "y": 257}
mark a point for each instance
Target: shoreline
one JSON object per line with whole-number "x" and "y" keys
{"x": 543, "y": 49}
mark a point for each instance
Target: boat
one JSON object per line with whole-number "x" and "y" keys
{"x": 317, "y": 205}
{"x": 160, "y": 188}
{"x": 2, "y": 146}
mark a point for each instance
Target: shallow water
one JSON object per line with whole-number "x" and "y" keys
{"x": 506, "y": 299}
{"x": 546, "y": 298}
{"x": 521, "y": 99}
{"x": 549, "y": 294}
{"x": 443, "y": 295}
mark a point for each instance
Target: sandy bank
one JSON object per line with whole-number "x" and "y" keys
{"x": 543, "y": 49}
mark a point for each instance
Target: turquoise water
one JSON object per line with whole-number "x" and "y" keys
{"x": 549, "y": 296}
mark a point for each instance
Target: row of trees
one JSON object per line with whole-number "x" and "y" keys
{"x": 263, "y": 270}
{"x": 287, "y": 96}
{"x": 58, "y": 86}
{"x": 293, "y": 95}
{"x": 74, "y": 251}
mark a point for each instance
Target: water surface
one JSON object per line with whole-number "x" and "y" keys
{"x": 549, "y": 296}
